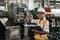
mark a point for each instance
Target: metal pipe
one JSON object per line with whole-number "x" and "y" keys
{"x": 16, "y": 1}
{"x": 43, "y": 3}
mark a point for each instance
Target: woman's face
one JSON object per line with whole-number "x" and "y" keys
{"x": 40, "y": 15}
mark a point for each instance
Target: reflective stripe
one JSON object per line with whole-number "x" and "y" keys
{"x": 38, "y": 36}
{"x": 42, "y": 23}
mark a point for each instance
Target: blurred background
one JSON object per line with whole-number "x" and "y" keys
{"x": 14, "y": 24}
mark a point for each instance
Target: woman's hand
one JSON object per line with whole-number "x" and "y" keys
{"x": 30, "y": 18}
{"x": 44, "y": 35}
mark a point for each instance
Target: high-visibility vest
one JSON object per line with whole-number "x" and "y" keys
{"x": 41, "y": 23}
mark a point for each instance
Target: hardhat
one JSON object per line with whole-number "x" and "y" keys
{"x": 40, "y": 9}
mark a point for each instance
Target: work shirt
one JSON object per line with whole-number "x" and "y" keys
{"x": 46, "y": 27}
{"x": 46, "y": 24}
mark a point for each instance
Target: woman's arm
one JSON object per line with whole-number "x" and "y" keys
{"x": 46, "y": 27}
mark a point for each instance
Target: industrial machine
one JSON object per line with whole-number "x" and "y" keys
{"x": 3, "y": 13}
{"x": 54, "y": 27}
{"x": 13, "y": 33}
{"x": 16, "y": 12}
{"x": 16, "y": 19}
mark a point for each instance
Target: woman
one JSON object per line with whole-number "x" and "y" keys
{"x": 43, "y": 23}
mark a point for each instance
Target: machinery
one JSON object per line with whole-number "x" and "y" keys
{"x": 18, "y": 12}
{"x": 16, "y": 17}
{"x": 54, "y": 27}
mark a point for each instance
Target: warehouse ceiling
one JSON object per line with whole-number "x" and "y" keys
{"x": 55, "y": 4}
{"x": 37, "y": 0}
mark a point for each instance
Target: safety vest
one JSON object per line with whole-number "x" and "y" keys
{"x": 41, "y": 24}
